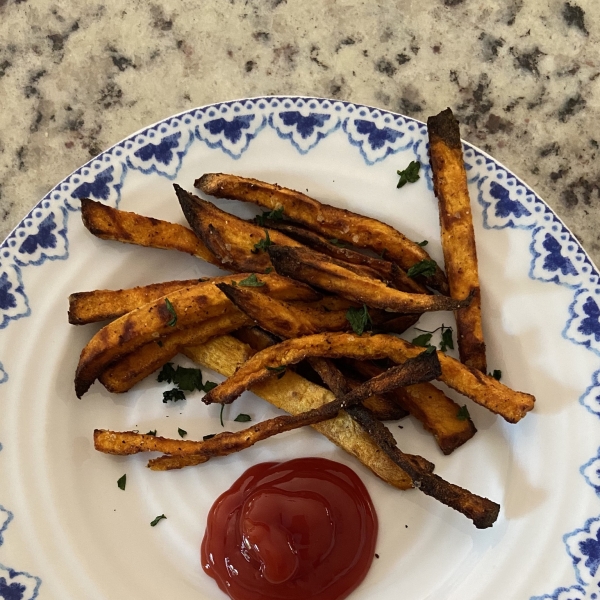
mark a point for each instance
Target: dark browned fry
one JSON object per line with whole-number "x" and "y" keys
{"x": 458, "y": 236}
{"x": 328, "y": 221}
{"x": 294, "y": 319}
{"x": 317, "y": 269}
{"x": 437, "y": 413}
{"x": 128, "y": 227}
{"x": 122, "y": 375}
{"x": 230, "y": 238}
{"x": 421, "y": 368}
{"x": 481, "y": 511}
{"x": 386, "y": 270}
{"x": 484, "y": 390}
{"x": 185, "y": 307}
{"x": 101, "y": 305}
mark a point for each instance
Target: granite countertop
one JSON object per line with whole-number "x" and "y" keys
{"x": 523, "y": 78}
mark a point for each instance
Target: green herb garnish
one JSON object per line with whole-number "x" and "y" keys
{"x": 221, "y": 415}
{"x": 187, "y": 379}
{"x": 155, "y": 521}
{"x": 152, "y": 432}
{"x": 263, "y": 244}
{"x": 173, "y": 395}
{"x": 423, "y": 243}
{"x": 430, "y": 350}
{"x": 268, "y": 270}
{"x": 410, "y": 174}
{"x": 496, "y": 374}
{"x": 447, "y": 341}
{"x": 181, "y": 432}
{"x": 463, "y": 414}
{"x": 121, "y": 482}
{"x": 427, "y": 268}
{"x": 243, "y": 418}
{"x": 251, "y": 281}
{"x": 274, "y": 215}
{"x": 173, "y": 321}
{"x": 359, "y": 319}
{"x": 209, "y": 436}
{"x": 423, "y": 340}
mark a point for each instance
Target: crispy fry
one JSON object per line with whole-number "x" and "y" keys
{"x": 458, "y": 236}
{"x": 482, "y": 389}
{"x": 481, "y": 511}
{"x": 294, "y": 394}
{"x": 122, "y": 375}
{"x": 101, "y": 305}
{"x": 186, "y": 307}
{"x": 317, "y": 269}
{"x": 386, "y": 270}
{"x": 421, "y": 368}
{"x": 330, "y": 222}
{"x": 128, "y": 227}
{"x": 230, "y": 238}
{"x": 437, "y": 413}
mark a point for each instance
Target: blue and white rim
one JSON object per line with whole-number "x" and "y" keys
{"x": 556, "y": 255}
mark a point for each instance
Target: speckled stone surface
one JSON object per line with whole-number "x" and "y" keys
{"x": 523, "y": 77}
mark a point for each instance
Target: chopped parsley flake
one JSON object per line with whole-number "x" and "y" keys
{"x": 410, "y": 174}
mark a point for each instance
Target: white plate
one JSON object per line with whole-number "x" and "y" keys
{"x": 68, "y": 532}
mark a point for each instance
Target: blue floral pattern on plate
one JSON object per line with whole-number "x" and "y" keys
{"x": 230, "y": 127}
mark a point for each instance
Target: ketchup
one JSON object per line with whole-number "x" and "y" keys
{"x": 300, "y": 529}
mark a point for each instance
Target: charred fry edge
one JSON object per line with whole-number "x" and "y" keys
{"x": 458, "y": 236}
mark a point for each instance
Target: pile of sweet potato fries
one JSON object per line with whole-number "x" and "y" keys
{"x": 295, "y": 285}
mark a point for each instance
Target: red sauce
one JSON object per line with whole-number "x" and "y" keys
{"x": 300, "y": 529}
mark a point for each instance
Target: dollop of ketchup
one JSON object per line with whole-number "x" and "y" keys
{"x": 300, "y": 529}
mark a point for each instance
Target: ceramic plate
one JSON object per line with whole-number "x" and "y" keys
{"x": 68, "y": 532}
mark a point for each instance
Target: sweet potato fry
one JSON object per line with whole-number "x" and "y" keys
{"x": 294, "y": 394}
{"x": 481, "y": 511}
{"x": 294, "y": 319}
{"x": 185, "y": 307}
{"x": 317, "y": 269}
{"x": 101, "y": 305}
{"x": 484, "y": 390}
{"x": 122, "y": 375}
{"x": 420, "y": 368}
{"x": 458, "y": 236}
{"x": 437, "y": 413}
{"x": 388, "y": 271}
{"x": 230, "y": 238}
{"x": 128, "y": 227}
{"x": 330, "y": 222}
